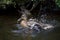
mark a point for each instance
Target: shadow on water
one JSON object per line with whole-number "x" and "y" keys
{"x": 7, "y": 23}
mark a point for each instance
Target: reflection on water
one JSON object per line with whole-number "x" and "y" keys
{"x": 8, "y": 24}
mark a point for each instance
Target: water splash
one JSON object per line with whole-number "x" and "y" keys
{"x": 35, "y": 27}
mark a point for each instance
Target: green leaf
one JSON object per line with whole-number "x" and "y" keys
{"x": 57, "y": 2}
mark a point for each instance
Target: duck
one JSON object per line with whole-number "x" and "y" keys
{"x": 22, "y": 21}
{"x": 28, "y": 23}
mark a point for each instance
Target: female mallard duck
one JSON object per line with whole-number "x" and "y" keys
{"x": 24, "y": 18}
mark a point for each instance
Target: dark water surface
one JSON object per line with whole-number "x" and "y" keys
{"x": 7, "y": 23}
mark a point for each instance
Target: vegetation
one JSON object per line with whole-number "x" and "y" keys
{"x": 39, "y": 6}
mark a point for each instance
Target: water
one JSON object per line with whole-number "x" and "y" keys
{"x": 8, "y": 23}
